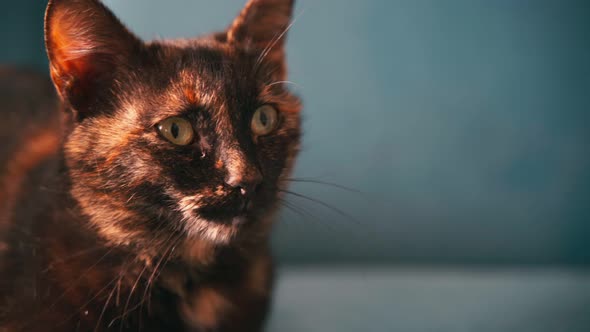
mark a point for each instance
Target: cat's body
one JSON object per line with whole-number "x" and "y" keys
{"x": 144, "y": 199}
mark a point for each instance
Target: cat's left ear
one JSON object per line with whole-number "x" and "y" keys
{"x": 263, "y": 25}
{"x": 86, "y": 44}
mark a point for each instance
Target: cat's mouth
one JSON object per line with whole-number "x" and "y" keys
{"x": 223, "y": 215}
{"x": 233, "y": 211}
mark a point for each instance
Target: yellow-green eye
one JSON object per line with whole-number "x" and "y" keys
{"x": 265, "y": 120}
{"x": 177, "y": 130}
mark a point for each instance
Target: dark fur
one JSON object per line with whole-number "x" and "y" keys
{"x": 108, "y": 226}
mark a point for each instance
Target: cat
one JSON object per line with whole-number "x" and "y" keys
{"x": 140, "y": 195}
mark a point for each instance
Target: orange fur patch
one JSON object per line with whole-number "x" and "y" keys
{"x": 37, "y": 147}
{"x": 191, "y": 96}
{"x": 205, "y": 308}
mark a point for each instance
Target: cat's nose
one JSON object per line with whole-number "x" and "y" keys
{"x": 241, "y": 173}
{"x": 245, "y": 181}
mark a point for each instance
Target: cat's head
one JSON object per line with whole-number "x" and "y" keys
{"x": 190, "y": 137}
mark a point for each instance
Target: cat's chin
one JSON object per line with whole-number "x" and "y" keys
{"x": 212, "y": 232}
{"x": 216, "y": 231}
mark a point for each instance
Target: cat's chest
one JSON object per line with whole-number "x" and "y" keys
{"x": 225, "y": 304}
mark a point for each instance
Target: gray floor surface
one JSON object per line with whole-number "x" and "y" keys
{"x": 420, "y": 299}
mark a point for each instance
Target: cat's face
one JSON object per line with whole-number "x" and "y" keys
{"x": 191, "y": 137}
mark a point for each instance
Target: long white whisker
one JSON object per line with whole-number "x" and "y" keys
{"x": 275, "y": 40}
{"x": 284, "y": 82}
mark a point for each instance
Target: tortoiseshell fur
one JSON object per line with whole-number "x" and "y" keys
{"x": 105, "y": 225}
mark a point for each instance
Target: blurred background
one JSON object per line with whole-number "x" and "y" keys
{"x": 464, "y": 125}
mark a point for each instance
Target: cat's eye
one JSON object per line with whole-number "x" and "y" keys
{"x": 265, "y": 120}
{"x": 177, "y": 130}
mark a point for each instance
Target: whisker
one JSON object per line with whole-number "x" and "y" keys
{"x": 292, "y": 208}
{"x": 305, "y": 214}
{"x": 322, "y": 203}
{"x": 127, "y": 309}
{"x": 152, "y": 276}
{"x": 274, "y": 41}
{"x": 330, "y": 184}
{"x": 77, "y": 281}
{"x": 75, "y": 255}
{"x": 287, "y": 221}
{"x": 131, "y": 197}
{"x": 135, "y": 284}
{"x": 89, "y": 301}
{"x": 284, "y": 82}
{"x": 104, "y": 308}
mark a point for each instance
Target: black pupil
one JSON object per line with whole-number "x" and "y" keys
{"x": 263, "y": 119}
{"x": 174, "y": 130}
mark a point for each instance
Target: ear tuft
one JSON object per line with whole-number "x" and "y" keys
{"x": 263, "y": 25}
{"x": 85, "y": 43}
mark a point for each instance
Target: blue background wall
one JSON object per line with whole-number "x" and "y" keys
{"x": 465, "y": 123}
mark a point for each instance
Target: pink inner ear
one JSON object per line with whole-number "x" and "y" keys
{"x": 66, "y": 66}
{"x": 70, "y": 50}
{"x": 86, "y": 43}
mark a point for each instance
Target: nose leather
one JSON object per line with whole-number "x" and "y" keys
{"x": 241, "y": 173}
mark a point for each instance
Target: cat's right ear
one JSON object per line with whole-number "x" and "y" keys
{"x": 86, "y": 44}
{"x": 262, "y": 25}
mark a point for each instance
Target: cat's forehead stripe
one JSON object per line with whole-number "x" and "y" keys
{"x": 191, "y": 96}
